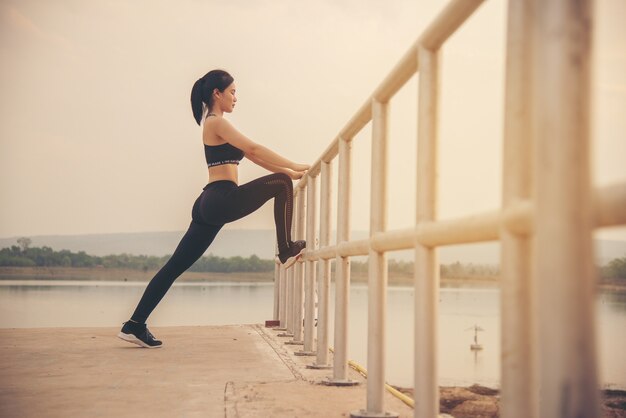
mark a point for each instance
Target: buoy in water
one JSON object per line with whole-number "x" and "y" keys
{"x": 475, "y": 346}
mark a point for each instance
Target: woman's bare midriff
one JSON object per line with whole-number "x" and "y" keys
{"x": 224, "y": 172}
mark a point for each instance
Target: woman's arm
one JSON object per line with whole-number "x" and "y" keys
{"x": 228, "y": 133}
{"x": 295, "y": 175}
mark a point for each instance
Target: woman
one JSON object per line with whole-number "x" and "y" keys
{"x": 222, "y": 200}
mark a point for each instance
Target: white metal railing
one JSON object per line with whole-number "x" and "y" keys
{"x": 548, "y": 212}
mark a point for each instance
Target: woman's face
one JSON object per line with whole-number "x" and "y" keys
{"x": 227, "y": 99}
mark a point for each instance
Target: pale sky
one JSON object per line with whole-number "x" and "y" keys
{"x": 97, "y": 135}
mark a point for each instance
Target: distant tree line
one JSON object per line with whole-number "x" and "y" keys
{"x": 23, "y": 255}
{"x": 456, "y": 269}
{"x": 615, "y": 269}
{"x": 26, "y": 256}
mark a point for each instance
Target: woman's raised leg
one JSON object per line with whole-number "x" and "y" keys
{"x": 247, "y": 198}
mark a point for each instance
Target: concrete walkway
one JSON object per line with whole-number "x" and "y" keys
{"x": 221, "y": 371}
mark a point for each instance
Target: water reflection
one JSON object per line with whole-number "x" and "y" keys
{"x": 614, "y": 301}
{"x": 83, "y": 303}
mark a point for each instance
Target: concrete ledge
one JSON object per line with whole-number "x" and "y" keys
{"x": 214, "y": 371}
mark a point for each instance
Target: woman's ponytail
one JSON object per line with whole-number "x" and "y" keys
{"x": 196, "y": 100}
{"x": 202, "y": 91}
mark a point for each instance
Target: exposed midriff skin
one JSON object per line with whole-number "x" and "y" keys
{"x": 224, "y": 172}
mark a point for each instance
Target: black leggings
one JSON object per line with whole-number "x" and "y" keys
{"x": 220, "y": 202}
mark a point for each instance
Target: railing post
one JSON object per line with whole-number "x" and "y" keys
{"x": 377, "y": 291}
{"x": 518, "y": 368}
{"x": 282, "y": 306}
{"x": 298, "y": 276}
{"x": 323, "y": 283}
{"x": 287, "y": 284}
{"x": 289, "y": 300}
{"x": 563, "y": 257}
{"x": 426, "y": 258}
{"x": 309, "y": 295}
{"x": 289, "y": 294}
{"x": 277, "y": 295}
{"x": 342, "y": 283}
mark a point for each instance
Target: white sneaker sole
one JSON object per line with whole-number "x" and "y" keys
{"x": 291, "y": 260}
{"x": 132, "y": 339}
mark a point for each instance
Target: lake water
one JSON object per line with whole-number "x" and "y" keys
{"x": 28, "y": 303}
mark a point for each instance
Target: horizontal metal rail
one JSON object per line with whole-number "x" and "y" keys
{"x": 610, "y": 203}
{"x": 447, "y": 22}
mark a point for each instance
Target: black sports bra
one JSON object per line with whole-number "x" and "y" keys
{"x": 222, "y": 154}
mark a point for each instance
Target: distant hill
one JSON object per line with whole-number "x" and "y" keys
{"x": 238, "y": 242}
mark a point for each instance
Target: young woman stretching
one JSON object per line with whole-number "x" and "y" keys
{"x": 222, "y": 200}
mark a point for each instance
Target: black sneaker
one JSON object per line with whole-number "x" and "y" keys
{"x": 292, "y": 254}
{"x": 139, "y": 334}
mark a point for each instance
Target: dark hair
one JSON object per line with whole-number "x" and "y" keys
{"x": 202, "y": 91}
